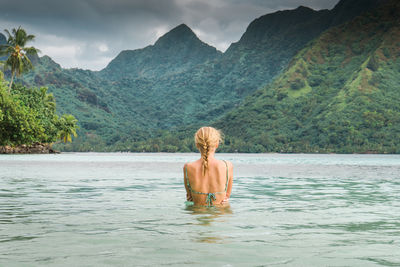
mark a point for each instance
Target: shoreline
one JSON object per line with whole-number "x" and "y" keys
{"x": 36, "y": 148}
{"x": 43, "y": 148}
{"x": 231, "y": 153}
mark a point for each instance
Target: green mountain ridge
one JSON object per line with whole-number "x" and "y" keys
{"x": 339, "y": 94}
{"x": 178, "y": 99}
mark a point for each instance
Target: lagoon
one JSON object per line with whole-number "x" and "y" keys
{"x": 127, "y": 209}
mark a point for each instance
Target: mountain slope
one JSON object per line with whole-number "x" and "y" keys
{"x": 272, "y": 40}
{"x": 339, "y": 94}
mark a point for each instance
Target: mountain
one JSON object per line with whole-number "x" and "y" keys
{"x": 174, "y": 93}
{"x": 339, "y": 94}
{"x": 272, "y": 40}
{"x": 176, "y": 51}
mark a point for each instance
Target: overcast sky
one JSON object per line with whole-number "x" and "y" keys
{"x": 90, "y": 33}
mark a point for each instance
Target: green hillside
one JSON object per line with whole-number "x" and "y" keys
{"x": 339, "y": 94}
{"x": 88, "y": 98}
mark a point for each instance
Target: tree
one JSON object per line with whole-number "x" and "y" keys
{"x": 67, "y": 127}
{"x": 17, "y": 53}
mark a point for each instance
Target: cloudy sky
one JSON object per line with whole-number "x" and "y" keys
{"x": 90, "y": 33}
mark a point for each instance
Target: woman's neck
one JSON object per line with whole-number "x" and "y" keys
{"x": 211, "y": 155}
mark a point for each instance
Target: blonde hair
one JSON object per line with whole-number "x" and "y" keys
{"x": 206, "y": 138}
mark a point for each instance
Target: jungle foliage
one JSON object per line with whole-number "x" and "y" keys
{"x": 28, "y": 115}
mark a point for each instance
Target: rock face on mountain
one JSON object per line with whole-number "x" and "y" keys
{"x": 339, "y": 94}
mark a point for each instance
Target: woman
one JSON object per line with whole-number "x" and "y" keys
{"x": 208, "y": 181}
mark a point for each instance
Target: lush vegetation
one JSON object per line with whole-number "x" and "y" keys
{"x": 28, "y": 115}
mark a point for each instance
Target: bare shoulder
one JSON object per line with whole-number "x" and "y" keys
{"x": 186, "y": 166}
{"x": 230, "y": 165}
{"x": 189, "y": 165}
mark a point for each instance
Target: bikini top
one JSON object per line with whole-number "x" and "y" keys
{"x": 210, "y": 196}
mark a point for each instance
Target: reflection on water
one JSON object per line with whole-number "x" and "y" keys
{"x": 209, "y": 216}
{"x": 213, "y": 210}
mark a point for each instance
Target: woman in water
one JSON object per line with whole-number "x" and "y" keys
{"x": 208, "y": 181}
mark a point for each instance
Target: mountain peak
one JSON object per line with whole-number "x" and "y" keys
{"x": 180, "y": 34}
{"x": 182, "y": 28}
{"x": 305, "y": 8}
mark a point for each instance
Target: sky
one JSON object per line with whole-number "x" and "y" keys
{"x": 88, "y": 34}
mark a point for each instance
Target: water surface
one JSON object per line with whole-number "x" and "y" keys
{"x": 94, "y": 209}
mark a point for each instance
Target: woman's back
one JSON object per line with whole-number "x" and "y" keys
{"x": 208, "y": 181}
{"x": 209, "y": 188}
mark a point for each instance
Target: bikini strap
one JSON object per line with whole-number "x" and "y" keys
{"x": 187, "y": 179}
{"x": 227, "y": 176}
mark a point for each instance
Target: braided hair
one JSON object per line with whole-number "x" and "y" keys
{"x": 206, "y": 138}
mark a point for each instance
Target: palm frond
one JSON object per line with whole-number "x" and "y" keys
{"x": 31, "y": 50}
{"x": 9, "y": 36}
{"x": 30, "y": 37}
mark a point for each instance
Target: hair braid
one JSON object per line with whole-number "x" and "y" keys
{"x": 205, "y": 158}
{"x": 206, "y": 138}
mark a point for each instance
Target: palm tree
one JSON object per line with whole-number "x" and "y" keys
{"x": 48, "y": 99}
{"x": 67, "y": 128}
{"x": 16, "y": 52}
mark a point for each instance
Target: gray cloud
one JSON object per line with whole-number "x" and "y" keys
{"x": 89, "y": 33}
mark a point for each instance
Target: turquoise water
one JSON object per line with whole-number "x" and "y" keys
{"x": 127, "y": 209}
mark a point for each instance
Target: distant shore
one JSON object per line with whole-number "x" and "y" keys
{"x": 36, "y": 148}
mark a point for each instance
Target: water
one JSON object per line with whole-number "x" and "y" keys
{"x": 128, "y": 210}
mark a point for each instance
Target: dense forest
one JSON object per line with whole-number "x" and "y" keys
{"x": 297, "y": 81}
{"x": 28, "y": 115}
